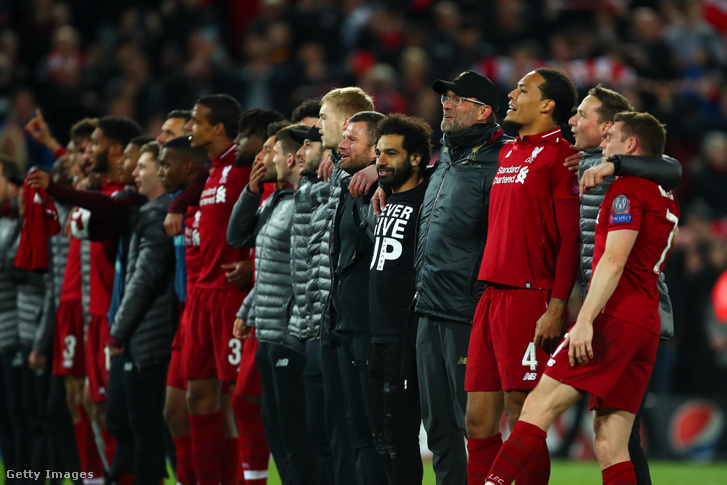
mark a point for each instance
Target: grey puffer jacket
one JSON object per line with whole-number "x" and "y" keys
{"x": 665, "y": 171}
{"x": 453, "y": 225}
{"x": 324, "y": 197}
{"x": 268, "y": 307}
{"x": 58, "y": 247}
{"x": 145, "y": 321}
{"x": 301, "y": 323}
{"x": 9, "y": 233}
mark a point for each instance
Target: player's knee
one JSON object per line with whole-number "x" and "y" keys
{"x": 479, "y": 426}
{"x": 605, "y": 451}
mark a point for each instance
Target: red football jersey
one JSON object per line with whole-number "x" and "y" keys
{"x": 640, "y": 205}
{"x": 220, "y": 193}
{"x": 71, "y": 289}
{"x": 40, "y": 221}
{"x": 192, "y": 254}
{"x": 522, "y": 235}
{"x": 103, "y": 258}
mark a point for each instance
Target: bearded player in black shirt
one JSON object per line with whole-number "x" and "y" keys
{"x": 402, "y": 154}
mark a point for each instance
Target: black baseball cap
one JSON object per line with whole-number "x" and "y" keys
{"x": 312, "y": 134}
{"x": 470, "y": 84}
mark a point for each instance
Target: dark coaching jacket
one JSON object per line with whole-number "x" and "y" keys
{"x": 453, "y": 226}
{"x": 145, "y": 321}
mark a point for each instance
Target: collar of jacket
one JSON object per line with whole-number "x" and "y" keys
{"x": 477, "y": 134}
{"x": 596, "y": 152}
{"x": 309, "y": 174}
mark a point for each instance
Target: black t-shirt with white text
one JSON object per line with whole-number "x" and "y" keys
{"x": 391, "y": 278}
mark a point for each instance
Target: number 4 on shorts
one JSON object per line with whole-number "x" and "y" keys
{"x": 530, "y": 359}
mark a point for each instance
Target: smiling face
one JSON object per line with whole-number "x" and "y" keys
{"x": 145, "y": 175}
{"x": 525, "y": 102}
{"x": 456, "y": 119}
{"x": 394, "y": 165}
{"x": 586, "y": 124}
{"x": 331, "y": 126}
{"x": 355, "y": 148}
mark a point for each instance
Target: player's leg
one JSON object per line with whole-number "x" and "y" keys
{"x": 612, "y": 428}
{"x": 636, "y": 451}
{"x": 547, "y": 401}
{"x": 485, "y": 400}
{"x": 484, "y": 410}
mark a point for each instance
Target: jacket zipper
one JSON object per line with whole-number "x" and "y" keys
{"x": 429, "y": 223}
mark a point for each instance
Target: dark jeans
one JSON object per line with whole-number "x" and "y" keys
{"x": 325, "y": 404}
{"x": 134, "y": 405}
{"x": 397, "y": 414}
{"x": 353, "y": 359}
{"x": 284, "y": 415}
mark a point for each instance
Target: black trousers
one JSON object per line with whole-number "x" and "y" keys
{"x": 283, "y": 414}
{"x": 61, "y": 428}
{"x": 397, "y": 414}
{"x": 134, "y": 406}
{"x": 353, "y": 359}
{"x": 327, "y": 415}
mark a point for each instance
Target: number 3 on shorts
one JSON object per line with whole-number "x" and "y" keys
{"x": 529, "y": 359}
{"x": 235, "y": 351}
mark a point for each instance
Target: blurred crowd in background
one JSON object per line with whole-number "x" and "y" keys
{"x": 143, "y": 58}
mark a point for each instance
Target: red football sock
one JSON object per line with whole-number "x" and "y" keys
{"x": 125, "y": 477}
{"x": 482, "y": 453}
{"x": 537, "y": 470}
{"x": 208, "y": 447}
{"x": 109, "y": 445}
{"x": 254, "y": 451}
{"x": 88, "y": 453}
{"x": 619, "y": 474}
{"x": 185, "y": 467}
{"x": 230, "y": 461}
{"x": 523, "y": 446}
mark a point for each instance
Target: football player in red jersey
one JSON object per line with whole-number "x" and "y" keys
{"x": 529, "y": 264}
{"x": 211, "y": 353}
{"x": 610, "y": 350}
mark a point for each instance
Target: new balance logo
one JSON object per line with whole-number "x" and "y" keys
{"x": 281, "y": 363}
{"x": 462, "y": 361}
{"x": 551, "y": 362}
{"x": 530, "y": 376}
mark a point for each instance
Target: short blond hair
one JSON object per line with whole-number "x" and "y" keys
{"x": 348, "y": 101}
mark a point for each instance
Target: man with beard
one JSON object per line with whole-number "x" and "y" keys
{"x": 452, "y": 232}
{"x": 106, "y": 149}
{"x": 402, "y": 153}
{"x": 529, "y": 265}
{"x": 351, "y": 251}
{"x": 336, "y": 460}
{"x": 267, "y": 309}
